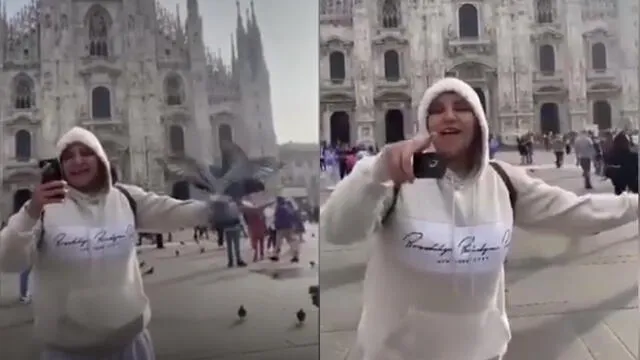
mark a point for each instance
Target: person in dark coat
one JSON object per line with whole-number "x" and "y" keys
{"x": 622, "y": 165}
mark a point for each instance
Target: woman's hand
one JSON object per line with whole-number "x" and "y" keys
{"x": 52, "y": 192}
{"x": 398, "y": 157}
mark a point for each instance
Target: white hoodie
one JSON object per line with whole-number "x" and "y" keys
{"x": 88, "y": 295}
{"x": 434, "y": 285}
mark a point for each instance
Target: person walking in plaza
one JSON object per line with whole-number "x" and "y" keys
{"x": 256, "y": 222}
{"x": 25, "y": 297}
{"x": 434, "y": 287}
{"x": 232, "y": 228}
{"x": 557, "y": 145}
{"x": 284, "y": 223}
{"x": 78, "y": 237}
{"x": 585, "y": 153}
{"x": 622, "y": 165}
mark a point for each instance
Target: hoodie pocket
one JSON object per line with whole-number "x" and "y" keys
{"x": 106, "y": 310}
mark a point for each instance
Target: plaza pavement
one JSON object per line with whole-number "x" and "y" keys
{"x": 195, "y": 298}
{"x": 568, "y": 299}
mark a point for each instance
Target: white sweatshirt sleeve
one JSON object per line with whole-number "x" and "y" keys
{"x": 541, "y": 206}
{"x": 18, "y": 242}
{"x": 357, "y": 204}
{"x": 163, "y": 213}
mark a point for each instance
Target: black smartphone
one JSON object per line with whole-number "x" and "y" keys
{"x": 428, "y": 166}
{"x": 51, "y": 170}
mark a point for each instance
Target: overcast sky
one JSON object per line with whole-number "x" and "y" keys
{"x": 290, "y": 38}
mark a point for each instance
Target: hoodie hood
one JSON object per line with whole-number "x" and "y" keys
{"x": 463, "y": 89}
{"x": 87, "y": 138}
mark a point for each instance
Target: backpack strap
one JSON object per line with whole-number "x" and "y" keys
{"x": 387, "y": 214}
{"x": 513, "y": 194}
{"x": 132, "y": 202}
{"x": 125, "y": 192}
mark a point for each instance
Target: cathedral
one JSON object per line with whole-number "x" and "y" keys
{"x": 538, "y": 65}
{"x": 136, "y": 75}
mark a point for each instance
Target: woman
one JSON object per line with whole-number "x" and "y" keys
{"x": 78, "y": 235}
{"x": 435, "y": 271}
{"x": 257, "y": 224}
{"x": 622, "y": 165}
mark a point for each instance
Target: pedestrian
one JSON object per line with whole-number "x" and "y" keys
{"x": 220, "y": 236}
{"x": 256, "y": 222}
{"x": 494, "y": 145}
{"x": 25, "y": 297}
{"x": 435, "y": 260}
{"x": 585, "y": 152}
{"x": 232, "y": 229}
{"x": 284, "y": 222}
{"x": 89, "y": 303}
{"x": 557, "y": 145}
{"x": 622, "y": 165}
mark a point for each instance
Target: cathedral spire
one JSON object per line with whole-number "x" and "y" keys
{"x": 240, "y": 33}
{"x": 192, "y": 8}
{"x": 179, "y": 30}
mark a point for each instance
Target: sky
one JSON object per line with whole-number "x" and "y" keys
{"x": 290, "y": 39}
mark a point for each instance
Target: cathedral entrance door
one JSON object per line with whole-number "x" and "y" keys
{"x": 393, "y": 126}
{"x": 549, "y": 118}
{"x": 19, "y": 198}
{"x": 181, "y": 191}
{"x": 340, "y": 128}
{"x": 602, "y": 114}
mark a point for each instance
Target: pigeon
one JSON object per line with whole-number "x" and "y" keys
{"x": 142, "y": 264}
{"x": 312, "y": 264}
{"x": 201, "y": 250}
{"x": 237, "y": 177}
{"x": 177, "y": 252}
{"x": 182, "y": 243}
{"x": 242, "y": 312}
{"x": 301, "y": 316}
{"x": 149, "y": 271}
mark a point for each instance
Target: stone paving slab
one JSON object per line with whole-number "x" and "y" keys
{"x": 194, "y": 299}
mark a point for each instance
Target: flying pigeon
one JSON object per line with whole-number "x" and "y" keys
{"x": 238, "y": 176}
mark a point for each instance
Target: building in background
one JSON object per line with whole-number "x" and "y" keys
{"x": 138, "y": 76}
{"x": 539, "y": 65}
{"x": 299, "y": 178}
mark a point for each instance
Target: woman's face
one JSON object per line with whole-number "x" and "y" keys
{"x": 80, "y": 166}
{"x": 451, "y": 117}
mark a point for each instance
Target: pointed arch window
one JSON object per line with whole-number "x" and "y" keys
{"x": 176, "y": 139}
{"x": 99, "y": 25}
{"x": 547, "y": 59}
{"x": 468, "y": 21}
{"x": 24, "y": 94}
{"x": 101, "y": 103}
{"x": 599, "y": 57}
{"x": 174, "y": 90}
{"x": 23, "y": 145}
{"x": 337, "y": 67}
{"x": 390, "y": 14}
{"x": 391, "y": 65}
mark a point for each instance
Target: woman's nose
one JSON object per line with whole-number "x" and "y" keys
{"x": 449, "y": 114}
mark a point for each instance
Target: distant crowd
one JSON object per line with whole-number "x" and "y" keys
{"x": 337, "y": 160}
{"x": 612, "y": 154}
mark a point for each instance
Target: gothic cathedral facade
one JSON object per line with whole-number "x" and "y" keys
{"x": 137, "y": 76}
{"x": 541, "y": 65}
